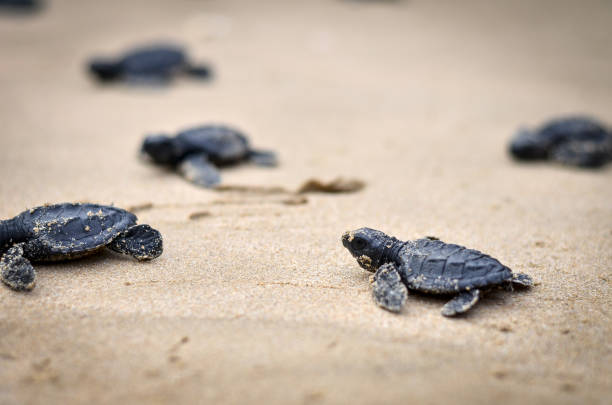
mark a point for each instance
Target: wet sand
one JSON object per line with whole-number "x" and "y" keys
{"x": 258, "y": 301}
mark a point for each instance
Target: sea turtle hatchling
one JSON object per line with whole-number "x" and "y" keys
{"x": 147, "y": 64}
{"x": 69, "y": 231}
{"x": 427, "y": 265}
{"x": 20, "y": 5}
{"x": 576, "y": 141}
{"x": 197, "y": 152}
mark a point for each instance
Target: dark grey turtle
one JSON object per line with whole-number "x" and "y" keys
{"x": 197, "y": 152}
{"x": 576, "y": 141}
{"x": 69, "y": 231}
{"x": 149, "y": 64}
{"x": 429, "y": 266}
{"x": 20, "y": 6}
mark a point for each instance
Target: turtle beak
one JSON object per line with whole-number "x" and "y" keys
{"x": 345, "y": 239}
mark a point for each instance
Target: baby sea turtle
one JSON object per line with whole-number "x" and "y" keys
{"x": 197, "y": 152}
{"x": 577, "y": 141}
{"x": 149, "y": 64}
{"x": 20, "y": 5}
{"x": 429, "y": 266}
{"x": 69, "y": 231}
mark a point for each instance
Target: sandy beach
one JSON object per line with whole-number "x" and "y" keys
{"x": 257, "y": 301}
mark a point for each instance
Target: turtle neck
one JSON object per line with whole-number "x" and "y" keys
{"x": 390, "y": 250}
{"x": 11, "y": 231}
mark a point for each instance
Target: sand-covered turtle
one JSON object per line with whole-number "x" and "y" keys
{"x": 427, "y": 265}
{"x": 148, "y": 64}
{"x": 576, "y": 141}
{"x": 197, "y": 152}
{"x": 69, "y": 231}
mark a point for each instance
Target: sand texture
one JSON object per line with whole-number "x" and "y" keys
{"x": 254, "y": 299}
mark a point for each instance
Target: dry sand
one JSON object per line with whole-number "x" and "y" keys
{"x": 258, "y": 302}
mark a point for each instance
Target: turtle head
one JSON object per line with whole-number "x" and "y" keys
{"x": 367, "y": 246}
{"x": 105, "y": 70}
{"x": 528, "y": 146}
{"x": 162, "y": 149}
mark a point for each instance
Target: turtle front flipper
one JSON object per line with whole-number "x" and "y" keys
{"x": 388, "y": 290}
{"x": 199, "y": 170}
{"x": 461, "y": 303}
{"x": 263, "y": 158}
{"x": 16, "y": 271}
{"x": 140, "y": 241}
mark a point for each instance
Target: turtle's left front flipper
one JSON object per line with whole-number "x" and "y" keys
{"x": 16, "y": 271}
{"x": 199, "y": 170}
{"x": 388, "y": 290}
{"x": 141, "y": 242}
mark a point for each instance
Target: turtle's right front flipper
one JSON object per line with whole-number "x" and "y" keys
{"x": 388, "y": 290}
{"x": 140, "y": 241}
{"x": 15, "y": 270}
{"x": 199, "y": 170}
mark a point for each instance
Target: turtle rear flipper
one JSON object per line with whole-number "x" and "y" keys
{"x": 461, "y": 303}
{"x": 199, "y": 170}
{"x": 263, "y": 158}
{"x": 16, "y": 271}
{"x": 522, "y": 279}
{"x": 141, "y": 242}
{"x": 199, "y": 71}
{"x": 388, "y": 290}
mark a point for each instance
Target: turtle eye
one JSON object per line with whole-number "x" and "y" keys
{"x": 358, "y": 243}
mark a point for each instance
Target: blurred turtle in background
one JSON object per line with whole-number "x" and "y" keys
{"x": 197, "y": 152}
{"x": 153, "y": 64}
{"x": 576, "y": 141}
{"x": 20, "y": 6}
